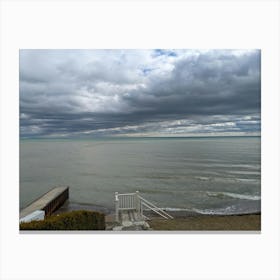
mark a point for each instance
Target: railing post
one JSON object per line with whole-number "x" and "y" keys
{"x": 138, "y": 203}
{"x": 117, "y": 206}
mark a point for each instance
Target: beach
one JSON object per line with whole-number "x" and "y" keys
{"x": 250, "y": 222}
{"x": 184, "y": 221}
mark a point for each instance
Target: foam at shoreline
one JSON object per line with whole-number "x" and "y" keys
{"x": 233, "y": 195}
{"x": 228, "y": 211}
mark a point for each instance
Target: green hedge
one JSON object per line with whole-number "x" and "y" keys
{"x": 75, "y": 220}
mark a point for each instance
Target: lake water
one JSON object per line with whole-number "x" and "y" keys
{"x": 219, "y": 175}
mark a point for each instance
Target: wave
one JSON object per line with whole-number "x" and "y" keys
{"x": 201, "y": 178}
{"x": 245, "y": 180}
{"x": 243, "y": 172}
{"x": 233, "y": 195}
{"x": 225, "y": 165}
{"x": 224, "y": 179}
{"x": 230, "y": 210}
{"x": 176, "y": 209}
{"x": 221, "y": 211}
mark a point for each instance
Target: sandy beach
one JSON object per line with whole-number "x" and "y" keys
{"x": 208, "y": 222}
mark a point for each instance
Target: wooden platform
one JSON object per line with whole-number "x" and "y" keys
{"x": 48, "y": 202}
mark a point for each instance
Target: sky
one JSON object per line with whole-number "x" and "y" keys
{"x": 153, "y": 93}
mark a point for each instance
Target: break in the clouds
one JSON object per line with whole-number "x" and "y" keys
{"x": 91, "y": 93}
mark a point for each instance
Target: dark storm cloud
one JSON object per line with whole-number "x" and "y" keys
{"x": 73, "y": 93}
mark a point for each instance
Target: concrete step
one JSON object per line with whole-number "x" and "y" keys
{"x": 131, "y": 220}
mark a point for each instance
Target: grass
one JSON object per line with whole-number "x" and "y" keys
{"x": 75, "y": 220}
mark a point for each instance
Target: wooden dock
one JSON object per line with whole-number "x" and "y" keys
{"x": 49, "y": 202}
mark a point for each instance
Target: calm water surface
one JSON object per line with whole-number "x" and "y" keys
{"x": 207, "y": 175}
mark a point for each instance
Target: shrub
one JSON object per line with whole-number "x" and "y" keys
{"x": 75, "y": 220}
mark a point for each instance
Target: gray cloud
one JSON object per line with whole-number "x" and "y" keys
{"x": 88, "y": 93}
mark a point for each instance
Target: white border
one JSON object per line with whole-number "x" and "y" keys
{"x": 153, "y": 24}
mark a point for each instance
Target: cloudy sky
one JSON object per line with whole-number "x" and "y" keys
{"x": 98, "y": 93}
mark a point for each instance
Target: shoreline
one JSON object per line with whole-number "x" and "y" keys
{"x": 186, "y": 214}
{"x": 71, "y": 206}
{"x": 183, "y": 220}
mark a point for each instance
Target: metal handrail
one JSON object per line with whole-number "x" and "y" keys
{"x": 156, "y": 211}
{"x": 157, "y": 208}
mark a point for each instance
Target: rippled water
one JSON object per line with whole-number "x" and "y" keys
{"x": 206, "y": 175}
